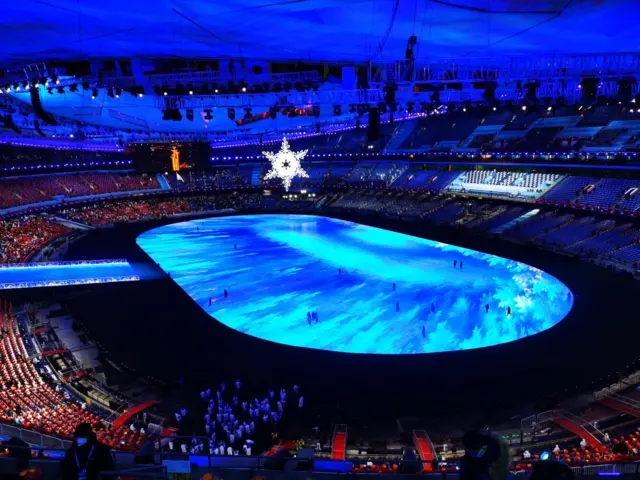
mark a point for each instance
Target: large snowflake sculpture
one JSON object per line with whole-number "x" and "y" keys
{"x": 285, "y": 164}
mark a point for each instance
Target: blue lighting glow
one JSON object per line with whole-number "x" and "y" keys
{"x": 287, "y": 265}
{"x": 56, "y": 274}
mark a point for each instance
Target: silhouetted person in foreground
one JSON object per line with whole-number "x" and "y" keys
{"x": 87, "y": 457}
{"x": 486, "y": 457}
{"x": 551, "y": 469}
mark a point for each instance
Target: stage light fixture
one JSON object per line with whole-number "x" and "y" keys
{"x": 216, "y": 90}
{"x": 94, "y": 93}
{"x": 25, "y": 85}
{"x": 244, "y": 89}
{"x": 16, "y": 87}
{"x": 118, "y": 92}
{"x": 524, "y": 108}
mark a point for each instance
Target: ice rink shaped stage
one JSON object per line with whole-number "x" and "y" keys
{"x": 287, "y": 265}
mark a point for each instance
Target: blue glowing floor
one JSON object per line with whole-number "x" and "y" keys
{"x": 287, "y": 265}
{"x": 56, "y": 274}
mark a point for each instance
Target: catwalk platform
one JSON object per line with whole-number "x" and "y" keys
{"x": 58, "y": 274}
{"x": 276, "y": 268}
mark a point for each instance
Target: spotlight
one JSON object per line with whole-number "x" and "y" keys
{"x": 55, "y": 80}
{"x": 464, "y": 109}
{"x": 190, "y": 92}
{"x": 16, "y": 87}
{"x": 94, "y": 93}
{"x": 494, "y": 109}
{"x": 244, "y": 89}
{"x": 118, "y": 91}
{"x": 25, "y": 85}
{"x": 216, "y": 90}
{"x": 524, "y": 108}
{"x": 165, "y": 94}
{"x": 549, "y": 108}
{"x": 44, "y": 81}
{"x": 544, "y": 456}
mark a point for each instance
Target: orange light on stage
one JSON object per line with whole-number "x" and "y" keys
{"x": 175, "y": 160}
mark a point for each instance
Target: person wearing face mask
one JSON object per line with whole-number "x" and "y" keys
{"x": 486, "y": 457}
{"x": 87, "y": 457}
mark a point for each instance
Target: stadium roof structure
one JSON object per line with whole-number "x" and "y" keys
{"x": 314, "y": 30}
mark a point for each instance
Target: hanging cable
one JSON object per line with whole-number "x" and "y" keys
{"x": 520, "y": 32}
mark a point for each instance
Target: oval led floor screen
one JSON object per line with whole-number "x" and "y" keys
{"x": 328, "y": 284}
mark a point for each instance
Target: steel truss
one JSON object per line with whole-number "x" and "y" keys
{"x": 250, "y": 100}
{"x": 509, "y": 69}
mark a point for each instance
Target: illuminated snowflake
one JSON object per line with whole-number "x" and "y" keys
{"x": 285, "y": 164}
